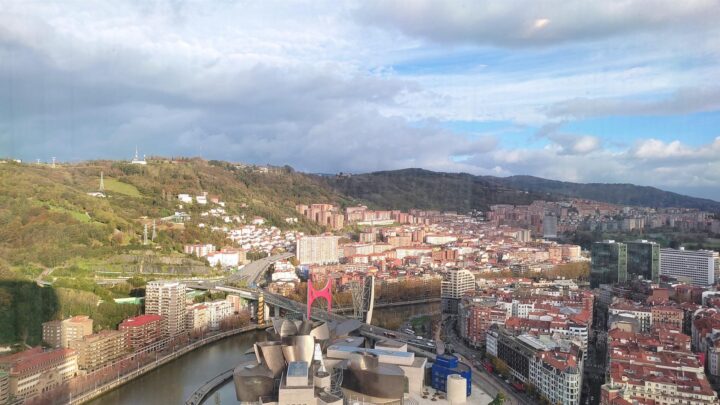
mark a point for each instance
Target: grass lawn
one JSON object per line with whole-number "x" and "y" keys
{"x": 121, "y": 188}
{"x": 80, "y": 216}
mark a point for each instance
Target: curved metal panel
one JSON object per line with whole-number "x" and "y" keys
{"x": 321, "y": 332}
{"x": 271, "y": 355}
{"x": 301, "y": 348}
{"x": 253, "y": 381}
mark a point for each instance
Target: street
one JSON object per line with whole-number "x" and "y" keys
{"x": 489, "y": 382}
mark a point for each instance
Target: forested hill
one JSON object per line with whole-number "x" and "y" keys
{"x": 418, "y": 188}
{"x": 424, "y": 189}
{"x": 622, "y": 194}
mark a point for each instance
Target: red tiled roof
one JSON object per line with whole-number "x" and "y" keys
{"x": 140, "y": 320}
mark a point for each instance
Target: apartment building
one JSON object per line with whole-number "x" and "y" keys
{"x": 700, "y": 267}
{"x": 554, "y": 369}
{"x": 143, "y": 333}
{"x": 323, "y": 214}
{"x": 317, "y": 249}
{"x": 58, "y": 334}
{"x": 654, "y": 367}
{"x": 475, "y": 316}
{"x": 455, "y": 284}
{"x": 36, "y": 371}
{"x": 557, "y": 375}
{"x": 167, "y": 299}
{"x": 666, "y": 316}
{"x": 4, "y": 386}
{"x": 196, "y": 317}
{"x": 100, "y": 349}
{"x": 217, "y": 312}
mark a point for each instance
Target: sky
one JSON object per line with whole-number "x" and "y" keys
{"x": 615, "y": 91}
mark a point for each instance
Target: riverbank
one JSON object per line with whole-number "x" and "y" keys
{"x": 160, "y": 361}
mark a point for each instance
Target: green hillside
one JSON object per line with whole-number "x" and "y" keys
{"x": 52, "y": 230}
{"x": 47, "y": 217}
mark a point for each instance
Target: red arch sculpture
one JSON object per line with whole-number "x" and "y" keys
{"x": 313, "y": 294}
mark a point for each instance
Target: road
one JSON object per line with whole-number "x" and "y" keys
{"x": 251, "y": 273}
{"x": 489, "y": 382}
{"x": 255, "y": 270}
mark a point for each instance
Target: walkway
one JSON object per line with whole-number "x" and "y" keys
{"x": 197, "y": 397}
{"x": 124, "y": 378}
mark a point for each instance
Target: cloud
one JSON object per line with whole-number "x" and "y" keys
{"x": 668, "y": 165}
{"x": 534, "y": 22}
{"x": 178, "y": 95}
{"x": 683, "y": 101}
{"x": 305, "y": 84}
{"x": 657, "y": 150}
{"x": 575, "y": 144}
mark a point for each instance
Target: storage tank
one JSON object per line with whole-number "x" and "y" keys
{"x": 456, "y": 389}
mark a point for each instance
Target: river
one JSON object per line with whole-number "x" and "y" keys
{"x": 174, "y": 382}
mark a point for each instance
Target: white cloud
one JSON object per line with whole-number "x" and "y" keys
{"x": 306, "y": 84}
{"x": 535, "y": 22}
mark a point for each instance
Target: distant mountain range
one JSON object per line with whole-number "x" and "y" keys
{"x": 419, "y": 188}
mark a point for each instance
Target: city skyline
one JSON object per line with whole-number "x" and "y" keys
{"x": 553, "y": 90}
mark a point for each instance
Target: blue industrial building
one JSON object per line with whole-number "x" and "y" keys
{"x": 446, "y": 365}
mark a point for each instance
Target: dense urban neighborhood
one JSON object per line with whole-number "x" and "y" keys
{"x": 532, "y": 296}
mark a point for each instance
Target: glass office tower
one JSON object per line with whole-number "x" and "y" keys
{"x": 609, "y": 263}
{"x": 643, "y": 260}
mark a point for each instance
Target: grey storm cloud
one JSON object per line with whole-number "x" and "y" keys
{"x": 103, "y": 104}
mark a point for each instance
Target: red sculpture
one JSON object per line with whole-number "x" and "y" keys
{"x": 314, "y": 294}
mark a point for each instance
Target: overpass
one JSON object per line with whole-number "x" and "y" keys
{"x": 420, "y": 346}
{"x": 251, "y": 273}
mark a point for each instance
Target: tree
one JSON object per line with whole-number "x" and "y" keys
{"x": 499, "y": 399}
{"x": 501, "y": 367}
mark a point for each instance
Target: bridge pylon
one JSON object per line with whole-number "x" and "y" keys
{"x": 363, "y": 298}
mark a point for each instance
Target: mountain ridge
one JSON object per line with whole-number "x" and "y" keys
{"x": 378, "y": 188}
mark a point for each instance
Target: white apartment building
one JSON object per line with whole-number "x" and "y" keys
{"x": 167, "y": 299}
{"x": 317, "y": 249}
{"x": 558, "y": 376}
{"x": 700, "y": 266}
{"x": 454, "y": 285}
{"x": 217, "y": 312}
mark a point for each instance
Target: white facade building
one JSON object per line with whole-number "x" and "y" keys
{"x": 456, "y": 283}
{"x": 700, "y": 266}
{"x": 317, "y": 249}
{"x": 167, "y": 299}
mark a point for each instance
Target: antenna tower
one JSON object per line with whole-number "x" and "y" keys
{"x": 102, "y": 183}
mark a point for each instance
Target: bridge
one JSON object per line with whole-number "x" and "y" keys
{"x": 277, "y": 302}
{"x": 255, "y": 271}
{"x": 251, "y": 273}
